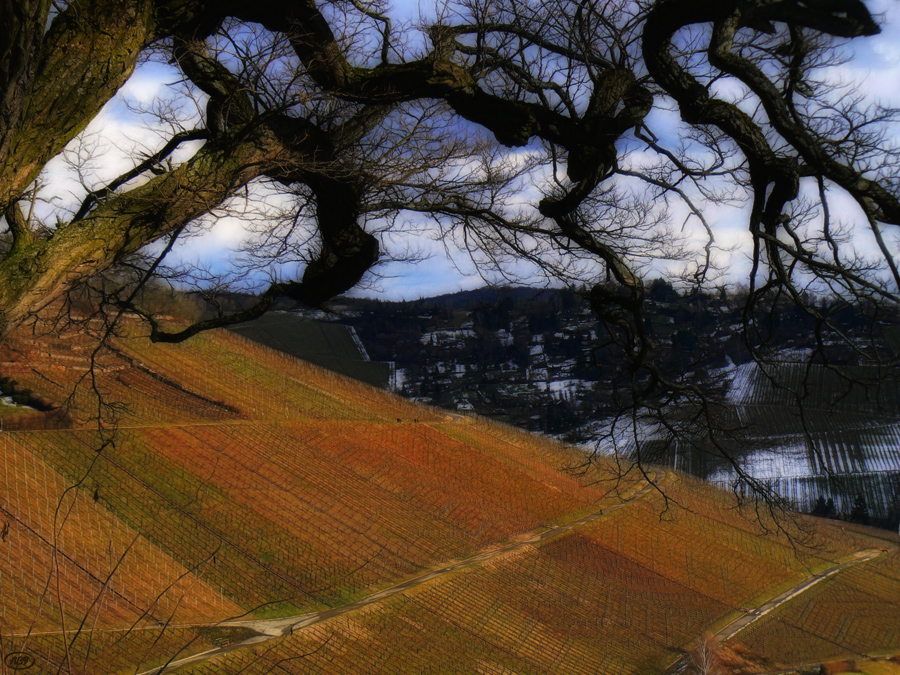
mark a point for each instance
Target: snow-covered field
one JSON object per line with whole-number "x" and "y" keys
{"x": 843, "y": 444}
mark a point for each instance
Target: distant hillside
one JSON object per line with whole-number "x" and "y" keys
{"x": 221, "y": 499}
{"x": 330, "y": 346}
{"x": 537, "y": 358}
{"x": 842, "y": 449}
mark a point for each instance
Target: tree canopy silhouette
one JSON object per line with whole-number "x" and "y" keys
{"x": 359, "y": 119}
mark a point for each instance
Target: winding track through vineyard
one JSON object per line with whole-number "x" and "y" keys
{"x": 275, "y": 628}
{"x": 272, "y": 629}
{"x": 750, "y": 616}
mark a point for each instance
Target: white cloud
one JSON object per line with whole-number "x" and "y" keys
{"x": 148, "y": 82}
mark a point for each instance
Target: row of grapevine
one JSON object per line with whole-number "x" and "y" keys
{"x": 261, "y": 485}
{"x": 268, "y": 384}
{"x": 857, "y": 611}
{"x": 64, "y": 557}
{"x": 857, "y": 389}
{"x": 107, "y": 650}
{"x": 623, "y": 595}
{"x": 880, "y": 492}
{"x": 311, "y": 512}
{"x": 349, "y": 390}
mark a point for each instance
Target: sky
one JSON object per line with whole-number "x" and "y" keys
{"x": 116, "y": 133}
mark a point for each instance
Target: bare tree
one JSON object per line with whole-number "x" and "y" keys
{"x": 704, "y": 658}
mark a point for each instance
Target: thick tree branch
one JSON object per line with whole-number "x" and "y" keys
{"x": 158, "y": 334}
{"x": 148, "y": 164}
{"x": 89, "y": 52}
{"x": 32, "y": 276}
{"x": 857, "y": 22}
{"x": 21, "y": 34}
{"x": 22, "y": 233}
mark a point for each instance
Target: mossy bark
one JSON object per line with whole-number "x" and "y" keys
{"x": 33, "y": 275}
{"x": 21, "y": 34}
{"x": 88, "y": 53}
{"x": 55, "y": 80}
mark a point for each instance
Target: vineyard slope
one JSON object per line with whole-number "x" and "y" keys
{"x": 169, "y": 499}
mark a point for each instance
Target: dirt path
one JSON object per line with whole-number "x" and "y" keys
{"x": 269, "y": 629}
{"x": 753, "y": 615}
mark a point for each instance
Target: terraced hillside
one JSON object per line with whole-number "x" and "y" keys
{"x": 219, "y": 499}
{"x": 842, "y": 444}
